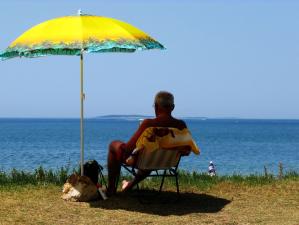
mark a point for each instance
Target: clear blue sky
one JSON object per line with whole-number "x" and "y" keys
{"x": 232, "y": 59}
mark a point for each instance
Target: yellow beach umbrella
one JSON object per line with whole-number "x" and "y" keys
{"x": 75, "y": 35}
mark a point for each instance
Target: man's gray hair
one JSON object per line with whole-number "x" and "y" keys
{"x": 164, "y": 99}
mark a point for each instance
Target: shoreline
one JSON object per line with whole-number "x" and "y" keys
{"x": 58, "y": 177}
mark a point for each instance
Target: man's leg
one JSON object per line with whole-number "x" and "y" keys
{"x": 114, "y": 160}
{"x": 141, "y": 175}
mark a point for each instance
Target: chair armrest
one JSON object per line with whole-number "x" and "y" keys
{"x": 132, "y": 159}
{"x": 185, "y": 152}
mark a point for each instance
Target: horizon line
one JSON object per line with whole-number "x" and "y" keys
{"x": 180, "y": 117}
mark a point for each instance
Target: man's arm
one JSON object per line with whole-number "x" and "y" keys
{"x": 131, "y": 144}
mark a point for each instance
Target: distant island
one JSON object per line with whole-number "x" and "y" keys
{"x": 122, "y": 117}
{"x": 138, "y": 117}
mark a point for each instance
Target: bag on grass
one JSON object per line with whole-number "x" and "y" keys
{"x": 92, "y": 170}
{"x": 79, "y": 189}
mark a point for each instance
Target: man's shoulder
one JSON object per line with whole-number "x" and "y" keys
{"x": 148, "y": 122}
{"x": 181, "y": 123}
{"x": 173, "y": 122}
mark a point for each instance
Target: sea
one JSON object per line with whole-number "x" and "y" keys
{"x": 236, "y": 146}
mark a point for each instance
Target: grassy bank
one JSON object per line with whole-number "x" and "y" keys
{"x": 34, "y": 198}
{"x": 190, "y": 180}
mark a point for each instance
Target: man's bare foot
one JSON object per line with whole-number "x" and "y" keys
{"x": 125, "y": 185}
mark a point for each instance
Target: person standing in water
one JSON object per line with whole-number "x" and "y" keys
{"x": 212, "y": 169}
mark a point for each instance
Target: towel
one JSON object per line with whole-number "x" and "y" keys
{"x": 154, "y": 138}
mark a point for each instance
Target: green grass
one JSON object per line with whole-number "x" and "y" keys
{"x": 35, "y": 198}
{"x": 196, "y": 180}
{"x": 203, "y": 181}
{"x": 39, "y": 176}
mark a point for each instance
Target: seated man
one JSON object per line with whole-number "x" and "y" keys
{"x": 120, "y": 151}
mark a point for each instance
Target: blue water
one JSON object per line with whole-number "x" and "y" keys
{"x": 235, "y": 146}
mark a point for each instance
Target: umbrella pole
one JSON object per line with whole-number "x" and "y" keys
{"x": 82, "y": 115}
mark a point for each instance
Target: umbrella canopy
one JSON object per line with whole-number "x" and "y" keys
{"x": 71, "y": 34}
{"x": 74, "y": 35}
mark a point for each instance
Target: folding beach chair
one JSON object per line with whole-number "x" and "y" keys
{"x": 159, "y": 150}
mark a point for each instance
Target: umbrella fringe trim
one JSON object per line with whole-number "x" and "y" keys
{"x": 47, "y": 48}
